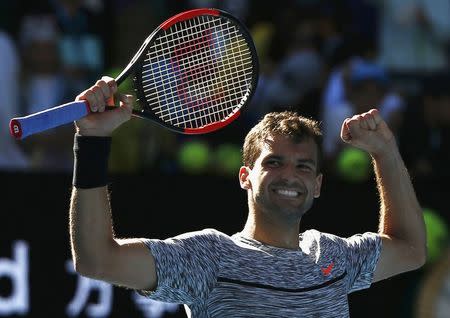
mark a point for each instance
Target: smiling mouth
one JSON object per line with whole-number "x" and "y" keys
{"x": 288, "y": 193}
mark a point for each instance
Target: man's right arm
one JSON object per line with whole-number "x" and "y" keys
{"x": 96, "y": 252}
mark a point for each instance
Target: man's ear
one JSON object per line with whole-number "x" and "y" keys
{"x": 318, "y": 185}
{"x": 243, "y": 177}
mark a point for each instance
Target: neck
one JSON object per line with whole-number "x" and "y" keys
{"x": 272, "y": 233}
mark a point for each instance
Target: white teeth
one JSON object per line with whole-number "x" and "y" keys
{"x": 289, "y": 193}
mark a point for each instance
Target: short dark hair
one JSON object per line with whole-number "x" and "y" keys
{"x": 284, "y": 123}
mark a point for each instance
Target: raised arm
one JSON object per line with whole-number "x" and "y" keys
{"x": 96, "y": 252}
{"x": 401, "y": 224}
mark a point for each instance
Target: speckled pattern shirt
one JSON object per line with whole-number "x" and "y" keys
{"x": 216, "y": 275}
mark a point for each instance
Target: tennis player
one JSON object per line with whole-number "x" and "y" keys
{"x": 268, "y": 269}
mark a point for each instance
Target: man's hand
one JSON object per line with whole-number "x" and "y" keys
{"x": 367, "y": 131}
{"x": 99, "y": 122}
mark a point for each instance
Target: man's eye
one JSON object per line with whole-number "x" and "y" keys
{"x": 305, "y": 167}
{"x": 273, "y": 163}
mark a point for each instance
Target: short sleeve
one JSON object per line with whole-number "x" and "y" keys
{"x": 186, "y": 266}
{"x": 361, "y": 252}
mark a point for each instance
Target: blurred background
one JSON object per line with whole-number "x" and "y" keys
{"x": 325, "y": 59}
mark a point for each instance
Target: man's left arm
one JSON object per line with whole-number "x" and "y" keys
{"x": 401, "y": 226}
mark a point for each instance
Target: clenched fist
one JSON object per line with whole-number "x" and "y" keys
{"x": 367, "y": 131}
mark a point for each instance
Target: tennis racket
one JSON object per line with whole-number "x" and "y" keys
{"x": 193, "y": 74}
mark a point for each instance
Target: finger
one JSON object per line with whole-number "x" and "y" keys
{"x": 100, "y": 98}
{"x": 111, "y": 83}
{"x": 354, "y": 126}
{"x": 370, "y": 121}
{"x": 91, "y": 99}
{"x": 106, "y": 90}
{"x": 376, "y": 116}
{"x": 108, "y": 94}
{"x": 345, "y": 132}
{"x": 112, "y": 87}
{"x": 363, "y": 122}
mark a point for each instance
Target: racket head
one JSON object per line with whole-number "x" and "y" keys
{"x": 195, "y": 72}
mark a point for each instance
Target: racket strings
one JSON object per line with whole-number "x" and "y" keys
{"x": 217, "y": 110}
{"x": 201, "y": 82}
{"x": 187, "y": 57}
{"x": 206, "y": 81}
{"x": 196, "y": 79}
{"x": 159, "y": 45}
{"x": 161, "y": 73}
{"x": 166, "y": 114}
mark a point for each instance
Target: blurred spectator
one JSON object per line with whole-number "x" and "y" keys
{"x": 137, "y": 15}
{"x": 10, "y": 12}
{"x": 352, "y": 51}
{"x": 360, "y": 86}
{"x": 80, "y": 43}
{"x": 414, "y": 39}
{"x": 262, "y": 34}
{"x": 425, "y": 139}
{"x": 297, "y": 77}
{"x": 12, "y": 157}
{"x": 61, "y": 53}
{"x": 331, "y": 35}
{"x": 43, "y": 86}
{"x": 342, "y": 85}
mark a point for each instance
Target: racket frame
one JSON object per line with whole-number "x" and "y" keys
{"x": 134, "y": 70}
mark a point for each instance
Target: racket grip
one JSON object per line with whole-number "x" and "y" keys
{"x": 22, "y": 127}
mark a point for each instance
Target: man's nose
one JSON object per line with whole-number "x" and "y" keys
{"x": 289, "y": 171}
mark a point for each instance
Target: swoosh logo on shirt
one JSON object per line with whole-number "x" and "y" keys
{"x": 327, "y": 270}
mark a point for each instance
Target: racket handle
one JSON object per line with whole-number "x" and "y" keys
{"x": 21, "y": 127}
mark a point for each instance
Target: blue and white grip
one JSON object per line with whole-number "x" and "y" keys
{"x": 21, "y": 127}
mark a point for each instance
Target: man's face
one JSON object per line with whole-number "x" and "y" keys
{"x": 284, "y": 180}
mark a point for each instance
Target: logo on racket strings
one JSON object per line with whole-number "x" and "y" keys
{"x": 194, "y": 62}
